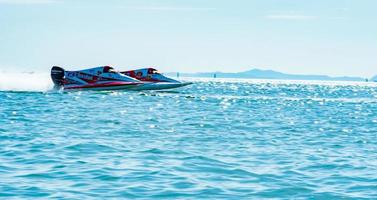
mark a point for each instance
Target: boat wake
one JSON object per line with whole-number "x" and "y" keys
{"x": 25, "y": 82}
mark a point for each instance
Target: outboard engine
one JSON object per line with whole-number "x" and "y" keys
{"x": 57, "y": 76}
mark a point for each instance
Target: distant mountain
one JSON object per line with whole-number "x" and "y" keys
{"x": 374, "y": 78}
{"x": 267, "y": 74}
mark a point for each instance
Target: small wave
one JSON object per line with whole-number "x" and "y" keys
{"x": 25, "y": 81}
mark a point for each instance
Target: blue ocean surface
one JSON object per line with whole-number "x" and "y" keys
{"x": 215, "y": 139}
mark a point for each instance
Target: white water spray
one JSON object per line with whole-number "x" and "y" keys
{"x": 25, "y": 81}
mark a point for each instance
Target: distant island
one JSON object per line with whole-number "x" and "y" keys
{"x": 268, "y": 74}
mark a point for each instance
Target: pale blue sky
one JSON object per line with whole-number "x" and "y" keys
{"x": 333, "y": 37}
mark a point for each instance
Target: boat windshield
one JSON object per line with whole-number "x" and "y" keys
{"x": 153, "y": 71}
{"x": 108, "y": 69}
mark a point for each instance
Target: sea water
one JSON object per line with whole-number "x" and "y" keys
{"x": 215, "y": 139}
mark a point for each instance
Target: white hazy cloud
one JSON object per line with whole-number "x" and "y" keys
{"x": 343, "y": 9}
{"x": 20, "y": 2}
{"x": 292, "y": 17}
{"x": 166, "y": 8}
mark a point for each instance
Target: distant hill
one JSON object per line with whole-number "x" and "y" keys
{"x": 268, "y": 74}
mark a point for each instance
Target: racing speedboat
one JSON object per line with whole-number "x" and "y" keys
{"x": 98, "y": 78}
{"x": 156, "y": 80}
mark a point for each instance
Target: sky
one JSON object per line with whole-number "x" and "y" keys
{"x": 327, "y": 37}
